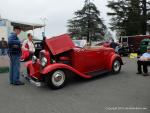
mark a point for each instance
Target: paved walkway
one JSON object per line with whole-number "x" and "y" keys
{"x": 4, "y": 61}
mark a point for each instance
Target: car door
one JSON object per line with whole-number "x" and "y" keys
{"x": 94, "y": 59}
{"x": 79, "y": 60}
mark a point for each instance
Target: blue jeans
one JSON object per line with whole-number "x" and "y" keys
{"x": 3, "y": 51}
{"x": 14, "y": 68}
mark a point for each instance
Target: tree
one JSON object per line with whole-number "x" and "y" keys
{"x": 133, "y": 23}
{"x": 145, "y": 15}
{"x": 131, "y": 16}
{"x": 87, "y": 22}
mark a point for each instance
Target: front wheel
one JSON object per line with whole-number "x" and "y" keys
{"x": 116, "y": 67}
{"x": 57, "y": 79}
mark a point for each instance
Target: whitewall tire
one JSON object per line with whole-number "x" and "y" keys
{"x": 116, "y": 66}
{"x": 57, "y": 79}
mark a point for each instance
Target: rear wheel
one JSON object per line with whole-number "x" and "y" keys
{"x": 57, "y": 79}
{"x": 116, "y": 67}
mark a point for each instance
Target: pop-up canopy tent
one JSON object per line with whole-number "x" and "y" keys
{"x": 26, "y": 26}
{"x": 6, "y": 27}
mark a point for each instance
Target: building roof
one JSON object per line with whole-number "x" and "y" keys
{"x": 26, "y": 26}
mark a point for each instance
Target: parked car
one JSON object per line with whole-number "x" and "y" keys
{"x": 120, "y": 49}
{"x": 60, "y": 57}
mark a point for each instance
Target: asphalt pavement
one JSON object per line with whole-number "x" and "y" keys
{"x": 125, "y": 92}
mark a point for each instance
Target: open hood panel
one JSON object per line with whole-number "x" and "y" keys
{"x": 60, "y": 44}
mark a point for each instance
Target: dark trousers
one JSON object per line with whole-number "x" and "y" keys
{"x": 14, "y": 68}
{"x": 144, "y": 64}
{"x": 3, "y": 50}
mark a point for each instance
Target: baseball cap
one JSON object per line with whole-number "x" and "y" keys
{"x": 17, "y": 27}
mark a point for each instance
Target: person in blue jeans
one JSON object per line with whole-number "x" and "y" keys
{"x": 14, "y": 53}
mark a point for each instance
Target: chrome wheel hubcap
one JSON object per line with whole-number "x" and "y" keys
{"x": 116, "y": 66}
{"x": 58, "y": 78}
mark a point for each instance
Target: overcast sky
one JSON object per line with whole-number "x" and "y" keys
{"x": 57, "y": 12}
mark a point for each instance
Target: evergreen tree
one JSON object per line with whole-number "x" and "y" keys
{"x": 87, "y": 22}
{"x": 133, "y": 25}
{"x": 130, "y": 16}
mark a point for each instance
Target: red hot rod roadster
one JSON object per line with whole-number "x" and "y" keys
{"x": 61, "y": 57}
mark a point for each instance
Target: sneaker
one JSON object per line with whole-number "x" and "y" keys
{"x": 138, "y": 73}
{"x": 145, "y": 74}
{"x": 18, "y": 83}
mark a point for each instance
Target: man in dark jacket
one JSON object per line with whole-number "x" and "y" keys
{"x": 113, "y": 44}
{"x": 14, "y": 52}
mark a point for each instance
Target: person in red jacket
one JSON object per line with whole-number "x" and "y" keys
{"x": 28, "y": 48}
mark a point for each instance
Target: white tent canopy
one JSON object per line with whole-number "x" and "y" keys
{"x": 26, "y": 26}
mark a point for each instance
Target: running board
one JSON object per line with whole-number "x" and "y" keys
{"x": 97, "y": 73}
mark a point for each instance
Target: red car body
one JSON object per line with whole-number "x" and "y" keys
{"x": 62, "y": 56}
{"x": 25, "y": 55}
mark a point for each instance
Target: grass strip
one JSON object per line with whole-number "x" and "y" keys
{"x": 4, "y": 69}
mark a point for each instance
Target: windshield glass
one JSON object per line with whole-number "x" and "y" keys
{"x": 80, "y": 43}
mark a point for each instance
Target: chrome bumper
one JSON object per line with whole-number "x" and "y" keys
{"x": 33, "y": 81}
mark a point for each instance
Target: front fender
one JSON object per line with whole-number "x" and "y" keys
{"x": 28, "y": 63}
{"x": 111, "y": 61}
{"x": 33, "y": 69}
{"x": 53, "y": 67}
{"x": 25, "y": 54}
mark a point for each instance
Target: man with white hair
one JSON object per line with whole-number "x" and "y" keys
{"x": 145, "y": 61}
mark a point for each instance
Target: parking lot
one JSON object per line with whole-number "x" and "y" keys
{"x": 125, "y": 92}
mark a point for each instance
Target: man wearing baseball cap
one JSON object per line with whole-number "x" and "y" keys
{"x": 145, "y": 61}
{"x": 14, "y": 53}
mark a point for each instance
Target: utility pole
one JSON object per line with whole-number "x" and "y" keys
{"x": 144, "y": 20}
{"x": 44, "y": 22}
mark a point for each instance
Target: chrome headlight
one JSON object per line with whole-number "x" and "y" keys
{"x": 43, "y": 62}
{"x": 34, "y": 59}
